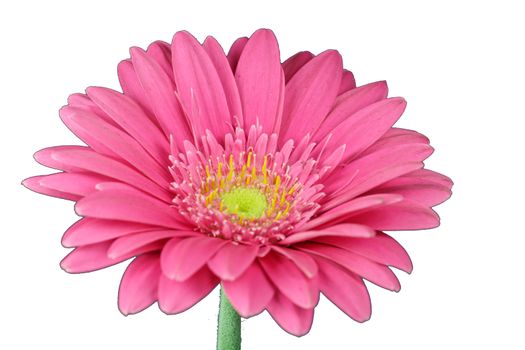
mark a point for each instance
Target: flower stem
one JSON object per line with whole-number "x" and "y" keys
{"x": 229, "y": 326}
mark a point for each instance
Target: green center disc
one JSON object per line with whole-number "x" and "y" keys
{"x": 249, "y": 203}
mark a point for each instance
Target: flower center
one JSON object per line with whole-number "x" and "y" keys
{"x": 247, "y": 203}
{"x": 247, "y": 189}
{"x": 243, "y": 188}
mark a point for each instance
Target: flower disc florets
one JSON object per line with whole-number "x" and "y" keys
{"x": 248, "y": 190}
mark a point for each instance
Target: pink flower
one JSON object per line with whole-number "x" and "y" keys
{"x": 275, "y": 180}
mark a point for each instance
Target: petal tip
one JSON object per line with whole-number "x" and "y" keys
{"x": 264, "y": 32}
{"x": 40, "y": 155}
{"x": 136, "y": 53}
{"x": 400, "y": 101}
{"x": 79, "y": 207}
{"x": 209, "y": 39}
{"x": 332, "y": 57}
{"x": 183, "y": 36}
{"x": 363, "y": 319}
{"x": 64, "y": 265}
{"x": 112, "y": 254}
{"x": 172, "y": 274}
{"x": 30, "y": 182}
{"x": 67, "y": 241}
{"x": 123, "y": 310}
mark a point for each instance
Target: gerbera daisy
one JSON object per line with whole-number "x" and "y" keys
{"x": 274, "y": 180}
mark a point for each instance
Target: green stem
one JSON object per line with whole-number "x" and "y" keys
{"x": 229, "y": 326}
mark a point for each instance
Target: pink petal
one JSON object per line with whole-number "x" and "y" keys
{"x": 310, "y": 94}
{"x": 235, "y": 52}
{"x": 78, "y": 185}
{"x": 347, "y": 82}
{"x": 175, "y": 296}
{"x": 380, "y": 248}
{"x": 129, "y": 205}
{"x": 367, "y": 172}
{"x": 160, "y": 52}
{"x": 417, "y": 137}
{"x": 33, "y": 183}
{"x": 351, "y": 208}
{"x": 290, "y": 280}
{"x": 131, "y": 118}
{"x": 292, "y": 318}
{"x": 125, "y": 244}
{"x": 220, "y": 62}
{"x": 349, "y": 103}
{"x": 260, "y": 80}
{"x": 132, "y": 88}
{"x": 94, "y": 257}
{"x": 82, "y": 159}
{"x": 374, "y": 179}
{"x": 139, "y": 284}
{"x": 180, "y": 259}
{"x": 83, "y": 102}
{"x": 46, "y": 157}
{"x": 341, "y": 230}
{"x": 294, "y": 63}
{"x": 345, "y": 290}
{"x": 84, "y": 135}
{"x": 396, "y": 137}
{"x": 431, "y": 176}
{"x": 88, "y": 258}
{"x": 364, "y": 127}
{"x": 416, "y": 189}
{"x": 304, "y": 262}
{"x": 405, "y": 215}
{"x": 199, "y": 86}
{"x": 232, "y": 260}
{"x": 97, "y": 133}
{"x": 361, "y": 266}
{"x": 330, "y": 161}
{"x": 160, "y": 91}
{"x": 251, "y": 292}
{"x": 88, "y": 231}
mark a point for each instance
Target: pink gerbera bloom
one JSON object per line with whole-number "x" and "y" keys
{"x": 275, "y": 180}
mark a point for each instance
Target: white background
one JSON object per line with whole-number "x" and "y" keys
{"x": 459, "y": 64}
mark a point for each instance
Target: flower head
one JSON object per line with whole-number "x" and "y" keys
{"x": 273, "y": 179}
